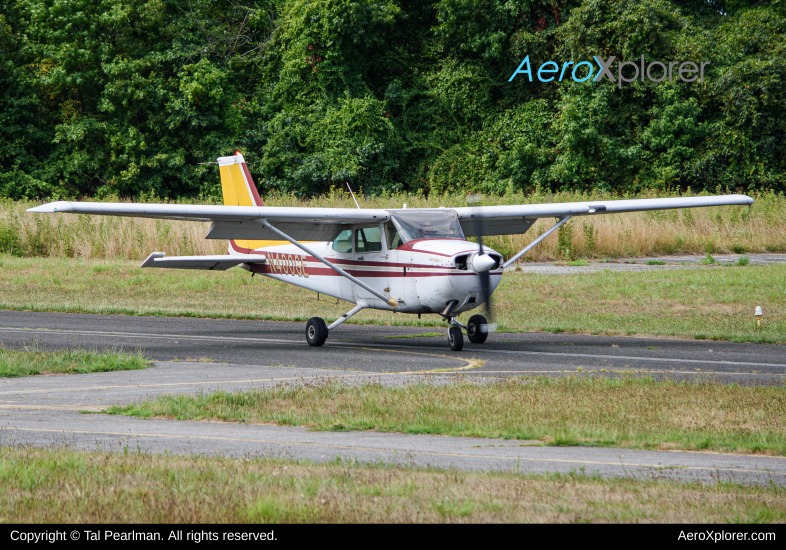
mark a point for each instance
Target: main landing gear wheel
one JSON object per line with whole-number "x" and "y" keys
{"x": 477, "y": 329}
{"x": 455, "y": 338}
{"x": 316, "y": 331}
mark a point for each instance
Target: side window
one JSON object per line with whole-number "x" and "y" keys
{"x": 368, "y": 239}
{"x": 394, "y": 238}
{"x": 343, "y": 242}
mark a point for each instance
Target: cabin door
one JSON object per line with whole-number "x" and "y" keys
{"x": 370, "y": 259}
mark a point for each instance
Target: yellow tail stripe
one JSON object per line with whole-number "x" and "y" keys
{"x": 236, "y": 192}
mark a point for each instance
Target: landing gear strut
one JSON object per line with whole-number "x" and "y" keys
{"x": 317, "y": 331}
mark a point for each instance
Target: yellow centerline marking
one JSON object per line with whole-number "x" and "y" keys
{"x": 337, "y": 345}
{"x": 471, "y": 364}
{"x": 248, "y": 381}
{"x": 381, "y": 449}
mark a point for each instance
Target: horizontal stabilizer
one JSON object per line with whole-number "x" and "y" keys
{"x": 211, "y": 263}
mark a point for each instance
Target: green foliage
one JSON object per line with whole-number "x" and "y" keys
{"x": 565, "y": 241}
{"x": 125, "y": 97}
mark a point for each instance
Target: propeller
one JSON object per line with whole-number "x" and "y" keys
{"x": 482, "y": 263}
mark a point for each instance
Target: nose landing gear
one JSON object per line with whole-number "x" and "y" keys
{"x": 477, "y": 331}
{"x": 455, "y": 338}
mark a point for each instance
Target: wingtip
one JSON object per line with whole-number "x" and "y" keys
{"x": 50, "y": 207}
{"x": 743, "y": 199}
{"x": 151, "y": 260}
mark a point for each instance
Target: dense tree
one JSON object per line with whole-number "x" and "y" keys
{"x": 127, "y": 97}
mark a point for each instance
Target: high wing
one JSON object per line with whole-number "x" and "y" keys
{"x": 209, "y": 263}
{"x": 517, "y": 219}
{"x": 323, "y": 224}
{"x": 235, "y": 222}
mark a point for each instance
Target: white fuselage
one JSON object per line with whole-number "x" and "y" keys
{"x": 422, "y": 275}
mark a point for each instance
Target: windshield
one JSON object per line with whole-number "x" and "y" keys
{"x": 427, "y": 224}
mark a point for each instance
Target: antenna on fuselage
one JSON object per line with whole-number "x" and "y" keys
{"x": 353, "y": 195}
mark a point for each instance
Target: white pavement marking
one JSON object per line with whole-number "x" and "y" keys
{"x": 93, "y": 408}
{"x": 377, "y": 346}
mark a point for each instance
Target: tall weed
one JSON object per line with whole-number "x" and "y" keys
{"x": 760, "y": 228}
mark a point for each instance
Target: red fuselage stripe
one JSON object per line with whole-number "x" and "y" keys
{"x": 327, "y": 272}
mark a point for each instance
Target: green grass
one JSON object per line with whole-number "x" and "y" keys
{"x": 28, "y": 362}
{"x": 655, "y": 262}
{"x": 628, "y": 412}
{"x": 582, "y": 262}
{"x": 64, "y": 486}
{"x": 717, "y": 303}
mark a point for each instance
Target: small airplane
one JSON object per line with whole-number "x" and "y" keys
{"x": 410, "y": 260}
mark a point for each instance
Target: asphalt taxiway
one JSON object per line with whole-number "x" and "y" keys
{"x": 396, "y": 349}
{"x": 203, "y": 355}
{"x": 48, "y": 411}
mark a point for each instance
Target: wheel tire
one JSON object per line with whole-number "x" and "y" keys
{"x": 455, "y": 338}
{"x": 477, "y": 329}
{"x": 316, "y": 331}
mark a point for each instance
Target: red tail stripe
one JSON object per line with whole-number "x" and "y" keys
{"x": 254, "y": 192}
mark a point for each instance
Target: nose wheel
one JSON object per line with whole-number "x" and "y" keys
{"x": 455, "y": 338}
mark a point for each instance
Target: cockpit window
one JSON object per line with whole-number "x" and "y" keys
{"x": 427, "y": 224}
{"x": 343, "y": 242}
{"x": 368, "y": 239}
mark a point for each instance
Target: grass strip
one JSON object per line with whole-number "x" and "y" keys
{"x": 14, "y": 363}
{"x": 710, "y": 302}
{"x": 629, "y": 412}
{"x": 64, "y": 486}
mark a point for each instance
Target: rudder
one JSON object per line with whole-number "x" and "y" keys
{"x": 237, "y": 184}
{"x": 239, "y": 189}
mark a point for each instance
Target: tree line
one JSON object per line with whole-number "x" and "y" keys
{"x": 129, "y": 97}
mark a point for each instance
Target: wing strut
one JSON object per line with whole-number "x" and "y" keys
{"x": 536, "y": 241}
{"x": 392, "y": 302}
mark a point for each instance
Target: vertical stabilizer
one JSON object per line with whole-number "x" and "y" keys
{"x": 236, "y": 182}
{"x": 238, "y": 189}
